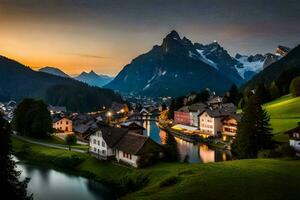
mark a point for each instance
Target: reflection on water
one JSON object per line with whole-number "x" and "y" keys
{"x": 196, "y": 153}
{"x": 48, "y": 184}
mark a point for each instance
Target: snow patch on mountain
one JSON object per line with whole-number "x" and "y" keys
{"x": 247, "y": 66}
{"x": 206, "y": 60}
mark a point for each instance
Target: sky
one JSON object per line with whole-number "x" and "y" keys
{"x": 105, "y": 35}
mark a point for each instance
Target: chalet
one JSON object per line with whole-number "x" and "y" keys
{"x": 294, "y": 137}
{"x": 229, "y": 126}
{"x": 62, "y": 124}
{"x": 126, "y": 147}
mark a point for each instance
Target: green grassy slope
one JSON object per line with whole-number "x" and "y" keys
{"x": 284, "y": 113}
{"x": 243, "y": 179}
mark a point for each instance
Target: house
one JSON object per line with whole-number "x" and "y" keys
{"x": 133, "y": 146}
{"x": 122, "y": 145}
{"x": 104, "y": 140}
{"x": 229, "y": 126}
{"x": 210, "y": 120}
{"x": 133, "y": 126}
{"x": 294, "y": 137}
{"x": 183, "y": 116}
{"x": 62, "y": 124}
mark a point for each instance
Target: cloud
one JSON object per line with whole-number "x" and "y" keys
{"x": 87, "y": 55}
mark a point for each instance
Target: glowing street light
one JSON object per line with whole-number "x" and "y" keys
{"x": 109, "y": 114}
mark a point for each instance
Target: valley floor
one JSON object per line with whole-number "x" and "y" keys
{"x": 242, "y": 179}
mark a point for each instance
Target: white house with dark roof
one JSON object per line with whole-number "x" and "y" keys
{"x": 126, "y": 147}
{"x": 103, "y": 141}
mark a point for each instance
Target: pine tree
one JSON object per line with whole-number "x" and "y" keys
{"x": 11, "y": 187}
{"x": 295, "y": 87}
{"x": 262, "y": 94}
{"x": 274, "y": 91}
{"x": 233, "y": 94}
{"x": 254, "y": 132}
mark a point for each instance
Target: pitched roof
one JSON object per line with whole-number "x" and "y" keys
{"x": 197, "y": 107}
{"x": 81, "y": 128}
{"x": 293, "y": 130}
{"x": 224, "y": 110}
{"x": 112, "y": 135}
{"x": 131, "y": 143}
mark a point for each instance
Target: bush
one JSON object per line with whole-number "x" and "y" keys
{"x": 146, "y": 160}
{"x": 169, "y": 181}
{"x": 68, "y": 162}
{"x": 268, "y": 153}
{"x": 286, "y": 150}
{"x": 131, "y": 184}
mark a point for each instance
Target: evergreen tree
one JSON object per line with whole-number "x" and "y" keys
{"x": 262, "y": 94}
{"x": 274, "y": 91}
{"x": 254, "y": 132}
{"x": 32, "y": 118}
{"x": 295, "y": 87}
{"x": 233, "y": 96}
{"x": 171, "y": 149}
{"x": 11, "y": 187}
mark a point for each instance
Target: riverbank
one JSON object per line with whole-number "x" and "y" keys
{"x": 242, "y": 179}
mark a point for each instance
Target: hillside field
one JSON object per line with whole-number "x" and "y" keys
{"x": 240, "y": 179}
{"x": 284, "y": 113}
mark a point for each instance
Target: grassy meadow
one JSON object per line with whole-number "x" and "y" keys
{"x": 284, "y": 113}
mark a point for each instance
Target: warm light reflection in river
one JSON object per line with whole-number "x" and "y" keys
{"x": 194, "y": 153}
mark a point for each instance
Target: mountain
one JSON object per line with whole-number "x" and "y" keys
{"x": 94, "y": 79}
{"x": 290, "y": 61}
{"x": 176, "y": 67}
{"x": 248, "y": 66}
{"x": 18, "y": 81}
{"x": 54, "y": 71}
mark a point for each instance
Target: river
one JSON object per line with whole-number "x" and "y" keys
{"x": 49, "y": 184}
{"x": 196, "y": 153}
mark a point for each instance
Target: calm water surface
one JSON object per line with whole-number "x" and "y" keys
{"x": 197, "y": 153}
{"x": 49, "y": 184}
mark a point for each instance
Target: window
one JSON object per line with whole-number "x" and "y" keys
{"x": 67, "y": 122}
{"x": 103, "y": 152}
{"x": 95, "y": 149}
{"x": 99, "y": 142}
{"x": 103, "y": 144}
{"x": 94, "y": 141}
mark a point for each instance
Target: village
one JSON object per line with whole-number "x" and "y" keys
{"x": 117, "y": 133}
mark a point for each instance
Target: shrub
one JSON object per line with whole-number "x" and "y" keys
{"x": 286, "y": 150}
{"x": 172, "y": 180}
{"x": 268, "y": 153}
{"x": 131, "y": 184}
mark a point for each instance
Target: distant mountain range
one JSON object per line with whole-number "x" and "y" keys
{"x": 90, "y": 78}
{"x": 290, "y": 61}
{"x": 54, "y": 71}
{"x": 178, "y": 66}
{"x": 18, "y": 81}
{"x": 94, "y": 79}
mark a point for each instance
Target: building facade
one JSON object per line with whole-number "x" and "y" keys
{"x": 63, "y": 125}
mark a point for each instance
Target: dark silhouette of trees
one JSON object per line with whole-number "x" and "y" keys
{"x": 295, "y": 87}
{"x": 171, "y": 149}
{"x": 71, "y": 140}
{"x": 11, "y": 187}
{"x": 254, "y": 132}
{"x": 32, "y": 118}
